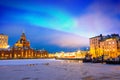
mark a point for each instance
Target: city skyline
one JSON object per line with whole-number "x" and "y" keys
{"x": 58, "y": 25}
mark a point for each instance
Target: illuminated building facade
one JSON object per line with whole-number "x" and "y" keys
{"x": 3, "y": 41}
{"x": 22, "y": 42}
{"x": 105, "y": 45}
{"x": 76, "y": 54}
{"x": 110, "y": 45}
{"x": 22, "y": 50}
{"x": 95, "y": 45}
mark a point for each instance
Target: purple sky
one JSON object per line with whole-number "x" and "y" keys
{"x": 57, "y": 25}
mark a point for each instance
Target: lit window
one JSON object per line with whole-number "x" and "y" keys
{"x": 113, "y": 49}
{"x": 109, "y": 42}
{"x": 113, "y": 42}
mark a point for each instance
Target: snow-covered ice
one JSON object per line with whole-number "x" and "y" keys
{"x": 50, "y": 69}
{"x": 24, "y": 61}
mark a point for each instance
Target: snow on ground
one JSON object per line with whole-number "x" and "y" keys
{"x": 24, "y": 61}
{"x": 50, "y": 69}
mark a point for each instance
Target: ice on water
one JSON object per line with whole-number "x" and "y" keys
{"x": 50, "y": 69}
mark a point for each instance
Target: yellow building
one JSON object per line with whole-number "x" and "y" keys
{"x": 110, "y": 47}
{"x": 3, "y": 41}
{"x": 95, "y": 45}
{"x": 105, "y": 45}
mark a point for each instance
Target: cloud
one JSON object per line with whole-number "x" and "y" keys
{"x": 40, "y": 36}
{"x": 108, "y": 7}
{"x": 69, "y": 40}
{"x": 100, "y": 17}
{"x": 92, "y": 24}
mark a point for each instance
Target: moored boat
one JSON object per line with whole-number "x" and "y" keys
{"x": 87, "y": 59}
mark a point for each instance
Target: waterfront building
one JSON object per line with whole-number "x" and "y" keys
{"x": 105, "y": 45}
{"x": 22, "y": 50}
{"x": 76, "y": 54}
{"x": 3, "y": 41}
{"x": 41, "y": 54}
{"x": 95, "y": 45}
{"x": 109, "y": 46}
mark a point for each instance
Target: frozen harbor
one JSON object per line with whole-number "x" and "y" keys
{"x": 50, "y": 69}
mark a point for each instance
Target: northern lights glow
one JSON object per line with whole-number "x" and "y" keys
{"x": 59, "y": 23}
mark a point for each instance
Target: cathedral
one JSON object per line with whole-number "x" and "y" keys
{"x": 22, "y": 50}
{"x": 22, "y": 42}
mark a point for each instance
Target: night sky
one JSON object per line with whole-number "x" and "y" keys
{"x": 59, "y": 25}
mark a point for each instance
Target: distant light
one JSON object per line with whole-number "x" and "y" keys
{"x": 8, "y": 46}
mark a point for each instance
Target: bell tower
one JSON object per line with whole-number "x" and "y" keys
{"x": 22, "y": 42}
{"x": 23, "y": 37}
